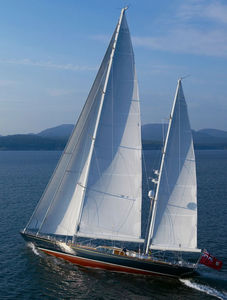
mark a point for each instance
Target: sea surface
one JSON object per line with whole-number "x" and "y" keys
{"x": 25, "y": 273}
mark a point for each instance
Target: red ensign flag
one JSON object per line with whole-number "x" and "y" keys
{"x": 210, "y": 261}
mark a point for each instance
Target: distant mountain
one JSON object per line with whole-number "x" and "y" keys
{"x": 214, "y": 132}
{"x": 50, "y": 139}
{"x": 30, "y": 142}
{"x": 55, "y": 138}
{"x": 203, "y": 139}
{"x": 61, "y": 131}
{"x": 154, "y": 132}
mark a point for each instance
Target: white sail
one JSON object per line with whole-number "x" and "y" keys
{"x": 112, "y": 203}
{"x": 174, "y": 219}
{"x": 101, "y": 165}
{"x": 57, "y": 211}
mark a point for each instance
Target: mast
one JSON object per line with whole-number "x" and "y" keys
{"x": 174, "y": 217}
{"x": 151, "y": 229}
{"x": 112, "y": 202}
{"x": 96, "y": 187}
{"x": 99, "y": 113}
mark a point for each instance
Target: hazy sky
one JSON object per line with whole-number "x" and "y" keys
{"x": 50, "y": 51}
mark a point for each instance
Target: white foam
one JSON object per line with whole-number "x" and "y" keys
{"x": 34, "y": 249}
{"x": 66, "y": 248}
{"x": 204, "y": 288}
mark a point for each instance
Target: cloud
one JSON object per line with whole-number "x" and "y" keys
{"x": 101, "y": 38}
{"x": 217, "y": 12}
{"x": 158, "y": 69}
{"x": 47, "y": 64}
{"x": 6, "y": 83}
{"x": 214, "y": 10}
{"x": 198, "y": 27}
{"x": 60, "y": 92}
{"x": 192, "y": 41}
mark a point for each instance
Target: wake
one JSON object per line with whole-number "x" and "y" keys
{"x": 34, "y": 249}
{"x": 65, "y": 248}
{"x": 204, "y": 288}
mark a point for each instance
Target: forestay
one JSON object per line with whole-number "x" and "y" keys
{"x": 174, "y": 219}
{"x": 95, "y": 190}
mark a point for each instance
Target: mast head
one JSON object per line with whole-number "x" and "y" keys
{"x": 124, "y": 9}
{"x": 181, "y": 78}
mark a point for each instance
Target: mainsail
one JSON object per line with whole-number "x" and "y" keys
{"x": 95, "y": 190}
{"x": 174, "y": 217}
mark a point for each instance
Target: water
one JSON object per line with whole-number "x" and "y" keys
{"x": 25, "y": 273}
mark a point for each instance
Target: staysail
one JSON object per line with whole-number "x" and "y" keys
{"x": 174, "y": 217}
{"x": 95, "y": 190}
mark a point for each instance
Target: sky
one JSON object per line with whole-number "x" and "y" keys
{"x": 50, "y": 51}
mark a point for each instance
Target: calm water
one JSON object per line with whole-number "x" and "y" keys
{"x": 27, "y": 274}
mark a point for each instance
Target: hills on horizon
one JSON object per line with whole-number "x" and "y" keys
{"x": 208, "y": 138}
{"x": 55, "y": 138}
{"x": 61, "y": 131}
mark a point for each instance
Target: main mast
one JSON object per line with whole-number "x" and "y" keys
{"x": 96, "y": 165}
{"x": 111, "y": 206}
{"x": 100, "y": 111}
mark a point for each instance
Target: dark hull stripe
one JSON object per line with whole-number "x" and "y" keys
{"x": 93, "y": 259}
{"x": 86, "y": 262}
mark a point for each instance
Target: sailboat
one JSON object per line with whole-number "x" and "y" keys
{"x": 93, "y": 201}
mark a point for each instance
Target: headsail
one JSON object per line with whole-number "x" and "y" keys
{"x": 174, "y": 216}
{"x": 96, "y": 187}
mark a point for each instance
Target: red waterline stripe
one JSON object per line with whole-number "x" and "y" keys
{"x": 86, "y": 262}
